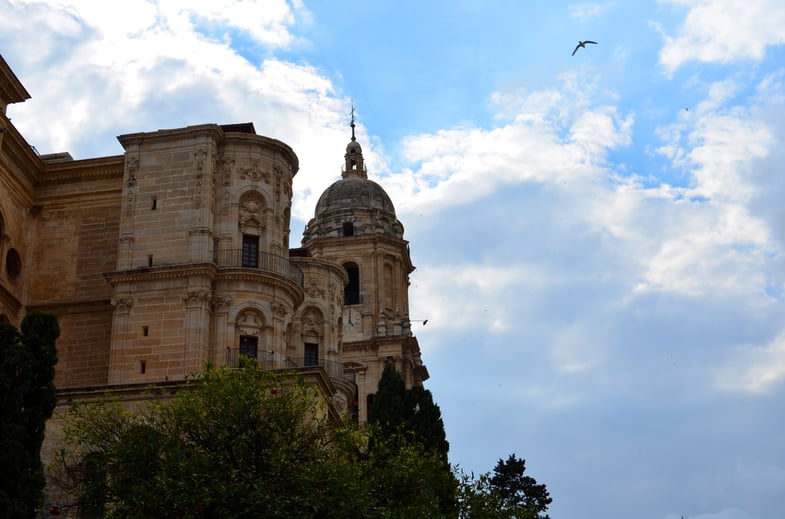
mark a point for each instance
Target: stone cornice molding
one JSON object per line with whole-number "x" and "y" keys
{"x": 102, "y": 168}
{"x": 11, "y": 89}
{"x": 160, "y": 273}
{"x": 264, "y": 277}
{"x": 307, "y": 264}
{"x": 163, "y": 136}
{"x": 213, "y": 131}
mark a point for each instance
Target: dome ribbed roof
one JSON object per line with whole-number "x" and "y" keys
{"x": 354, "y": 193}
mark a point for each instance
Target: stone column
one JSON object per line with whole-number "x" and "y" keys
{"x": 197, "y": 329}
{"x": 118, "y": 370}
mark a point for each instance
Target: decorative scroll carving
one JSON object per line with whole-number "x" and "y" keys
{"x": 132, "y": 166}
{"x": 254, "y": 172}
{"x": 200, "y": 158}
{"x": 228, "y": 170}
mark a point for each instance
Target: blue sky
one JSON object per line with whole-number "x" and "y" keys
{"x": 599, "y": 238}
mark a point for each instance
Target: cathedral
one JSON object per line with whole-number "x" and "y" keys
{"x": 177, "y": 254}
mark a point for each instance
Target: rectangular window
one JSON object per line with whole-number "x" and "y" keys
{"x": 249, "y": 346}
{"x": 348, "y": 229}
{"x": 311, "y": 355}
{"x": 250, "y": 251}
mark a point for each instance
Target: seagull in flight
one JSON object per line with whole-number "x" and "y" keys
{"x": 582, "y": 44}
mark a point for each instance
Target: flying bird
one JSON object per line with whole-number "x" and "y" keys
{"x": 582, "y": 44}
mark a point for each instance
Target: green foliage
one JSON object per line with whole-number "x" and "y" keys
{"x": 390, "y": 407}
{"x": 518, "y": 491}
{"x": 399, "y": 411}
{"x": 247, "y": 443}
{"x": 406, "y": 420}
{"x": 27, "y": 399}
{"x": 506, "y": 493}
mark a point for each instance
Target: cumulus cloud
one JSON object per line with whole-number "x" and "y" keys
{"x": 724, "y": 31}
{"x": 127, "y": 67}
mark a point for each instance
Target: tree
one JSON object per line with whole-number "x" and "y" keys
{"x": 518, "y": 491}
{"x": 408, "y": 419}
{"x": 426, "y": 422}
{"x": 505, "y": 493}
{"x": 390, "y": 408}
{"x": 240, "y": 443}
{"x": 27, "y": 400}
{"x": 398, "y": 411}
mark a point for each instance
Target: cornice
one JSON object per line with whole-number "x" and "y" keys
{"x": 169, "y": 135}
{"x": 88, "y": 170}
{"x": 212, "y": 131}
{"x": 20, "y": 155}
{"x": 261, "y": 276}
{"x": 323, "y": 264}
{"x": 160, "y": 273}
{"x": 11, "y": 89}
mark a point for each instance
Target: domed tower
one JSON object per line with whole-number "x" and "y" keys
{"x": 355, "y": 226}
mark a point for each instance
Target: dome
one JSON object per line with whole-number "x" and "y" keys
{"x": 354, "y": 205}
{"x": 355, "y": 194}
{"x": 354, "y": 147}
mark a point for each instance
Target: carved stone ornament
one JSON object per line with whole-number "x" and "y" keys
{"x": 197, "y": 297}
{"x": 219, "y": 301}
{"x": 122, "y": 303}
{"x": 280, "y": 309}
{"x": 254, "y": 172}
{"x": 314, "y": 291}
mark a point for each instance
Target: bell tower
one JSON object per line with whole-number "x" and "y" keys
{"x": 355, "y": 226}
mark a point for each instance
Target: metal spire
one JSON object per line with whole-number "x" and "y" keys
{"x": 353, "y": 138}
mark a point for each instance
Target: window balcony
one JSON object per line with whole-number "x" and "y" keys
{"x": 267, "y": 360}
{"x": 240, "y": 258}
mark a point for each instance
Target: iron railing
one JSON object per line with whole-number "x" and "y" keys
{"x": 267, "y": 360}
{"x": 263, "y": 359}
{"x": 260, "y": 261}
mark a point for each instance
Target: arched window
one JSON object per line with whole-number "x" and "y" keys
{"x": 351, "y": 294}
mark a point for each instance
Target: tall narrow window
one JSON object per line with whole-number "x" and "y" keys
{"x": 311, "y": 354}
{"x": 351, "y": 294}
{"x": 348, "y": 229}
{"x": 249, "y": 346}
{"x": 250, "y": 251}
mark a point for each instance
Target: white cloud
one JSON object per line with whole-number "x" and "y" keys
{"x": 128, "y": 66}
{"x": 724, "y": 31}
{"x": 753, "y": 369}
{"x": 586, "y": 11}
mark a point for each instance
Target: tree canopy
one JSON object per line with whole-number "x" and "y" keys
{"x": 27, "y": 399}
{"x": 398, "y": 410}
{"x": 239, "y": 443}
{"x": 505, "y": 493}
{"x": 255, "y": 443}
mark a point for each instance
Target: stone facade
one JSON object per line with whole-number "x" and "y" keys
{"x": 176, "y": 253}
